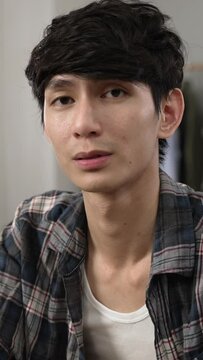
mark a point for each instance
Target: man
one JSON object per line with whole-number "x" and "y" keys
{"x": 114, "y": 271}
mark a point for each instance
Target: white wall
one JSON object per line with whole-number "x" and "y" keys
{"x": 187, "y": 19}
{"x": 2, "y": 146}
{"x": 27, "y": 164}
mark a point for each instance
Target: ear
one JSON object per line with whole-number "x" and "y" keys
{"x": 172, "y": 109}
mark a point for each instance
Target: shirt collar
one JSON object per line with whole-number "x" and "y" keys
{"x": 68, "y": 234}
{"x": 174, "y": 245}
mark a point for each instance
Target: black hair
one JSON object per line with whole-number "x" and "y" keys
{"x": 112, "y": 39}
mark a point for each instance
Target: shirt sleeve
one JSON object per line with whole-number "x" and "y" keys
{"x": 11, "y": 305}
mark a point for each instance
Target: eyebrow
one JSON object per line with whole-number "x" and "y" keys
{"x": 58, "y": 84}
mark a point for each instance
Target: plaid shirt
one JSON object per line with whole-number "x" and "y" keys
{"x": 41, "y": 254}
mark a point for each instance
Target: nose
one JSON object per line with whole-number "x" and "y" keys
{"x": 86, "y": 123}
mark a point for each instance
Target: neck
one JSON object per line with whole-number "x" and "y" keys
{"x": 121, "y": 224}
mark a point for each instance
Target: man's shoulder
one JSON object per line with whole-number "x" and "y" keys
{"x": 49, "y": 205}
{"x": 194, "y": 201}
{"x": 181, "y": 199}
{"x": 178, "y": 189}
{"x": 195, "y": 197}
{"x": 35, "y": 217}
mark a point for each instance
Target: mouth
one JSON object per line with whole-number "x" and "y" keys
{"x": 92, "y": 160}
{"x": 91, "y": 155}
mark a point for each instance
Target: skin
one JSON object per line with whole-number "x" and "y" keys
{"x": 117, "y": 119}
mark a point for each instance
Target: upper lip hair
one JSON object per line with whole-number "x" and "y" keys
{"x": 90, "y": 154}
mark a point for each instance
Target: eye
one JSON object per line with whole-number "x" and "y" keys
{"x": 62, "y": 101}
{"x": 114, "y": 93}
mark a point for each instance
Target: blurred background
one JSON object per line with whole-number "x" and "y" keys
{"x": 27, "y": 162}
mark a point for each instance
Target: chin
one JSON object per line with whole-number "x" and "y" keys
{"x": 101, "y": 181}
{"x": 95, "y": 186}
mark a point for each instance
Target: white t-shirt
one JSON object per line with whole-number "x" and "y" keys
{"x": 110, "y": 335}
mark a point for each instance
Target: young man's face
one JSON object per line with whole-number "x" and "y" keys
{"x": 104, "y": 132}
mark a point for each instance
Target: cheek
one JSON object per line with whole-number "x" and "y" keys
{"x": 56, "y": 126}
{"x": 124, "y": 138}
{"x": 57, "y": 134}
{"x": 139, "y": 139}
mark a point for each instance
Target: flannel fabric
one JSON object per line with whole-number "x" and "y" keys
{"x": 41, "y": 254}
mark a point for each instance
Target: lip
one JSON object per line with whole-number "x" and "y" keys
{"x": 92, "y": 160}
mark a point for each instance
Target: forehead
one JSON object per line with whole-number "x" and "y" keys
{"x": 61, "y": 81}
{"x": 64, "y": 80}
